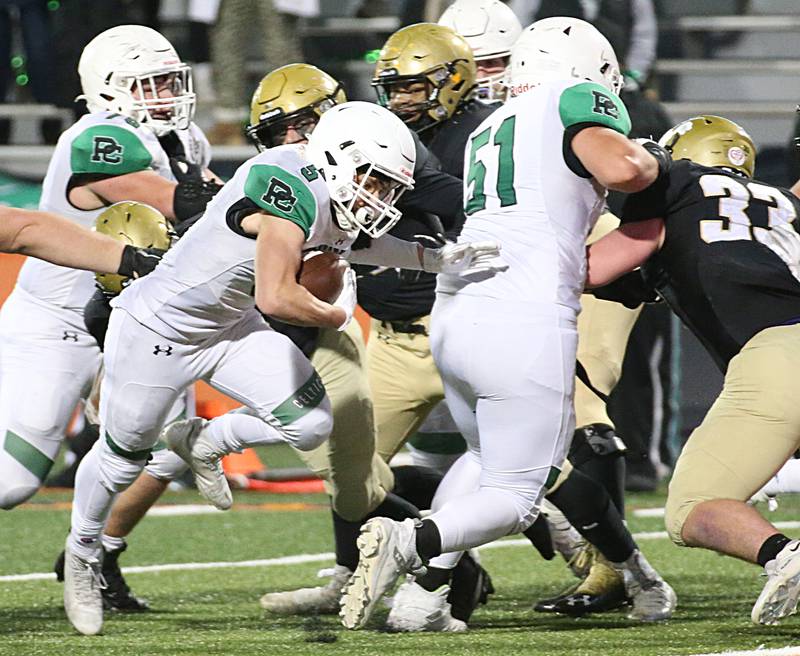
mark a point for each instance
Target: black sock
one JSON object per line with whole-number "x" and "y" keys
{"x": 394, "y": 507}
{"x": 434, "y": 578}
{"x": 587, "y": 506}
{"x": 771, "y": 548}
{"x": 429, "y": 542}
{"x": 608, "y": 469}
{"x": 539, "y": 535}
{"x": 416, "y": 484}
{"x": 345, "y": 535}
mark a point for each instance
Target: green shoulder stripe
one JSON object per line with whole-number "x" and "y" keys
{"x": 589, "y": 102}
{"x": 108, "y": 149}
{"x": 282, "y": 194}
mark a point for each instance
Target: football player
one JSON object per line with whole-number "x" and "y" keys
{"x": 723, "y": 251}
{"x": 506, "y": 345}
{"x": 141, "y": 103}
{"x": 197, "y": 317}
{"x": 490, "y": 28}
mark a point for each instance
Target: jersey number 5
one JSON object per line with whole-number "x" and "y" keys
{"x": 503, "y": 164}
{"x": 734, "y": 199}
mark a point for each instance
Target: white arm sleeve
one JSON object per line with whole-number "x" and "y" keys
{"x": 389, "y": 252}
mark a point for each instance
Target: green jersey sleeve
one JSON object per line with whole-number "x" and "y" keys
{"x": 110, "y": 150}
{"x": 281, "y": 193}
{"x": 593, "y": 104}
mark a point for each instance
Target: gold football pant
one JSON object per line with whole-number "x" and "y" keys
{"x": 750, "y": 431}
{"x": 355, "y": 477}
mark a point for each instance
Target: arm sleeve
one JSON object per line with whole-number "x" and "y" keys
{"x": 108, "y": 150}
{"x": 389, "y": 252}
{"x": 281, "y": 193}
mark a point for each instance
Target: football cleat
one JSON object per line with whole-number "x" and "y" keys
{"x": 781, "y": 592}
{"x": 567, "y": 541}
{"x": 188, "y": 439}
{"x": 603, "y": 590}
{"x": 652, "y": 597}
{"x": 320, "y": 600}
{"x": 83, "y": 601}
{"x": 117, "y": 595}
{"x": 416, "y": 609}
{"x": 387, "y": 550}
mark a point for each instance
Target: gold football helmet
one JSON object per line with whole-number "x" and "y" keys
{"x": 431, "y": 55}
{"x": 712, "y": 141}
{"x": 293, "y": 96}
{"x": 135, "y": 224}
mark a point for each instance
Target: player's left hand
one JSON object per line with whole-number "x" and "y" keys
{"x": 464, "y": 258}
{"x": 138, "y": 262}
{"x": 348, "y": 297}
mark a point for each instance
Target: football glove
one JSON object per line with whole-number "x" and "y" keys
{"x": 138, "y": 262}
{"x": 661, "y": 154}
{"x": 464, "y": 258}
{"x": 347, "y": 297}
{"x": 192, "y": 192}
{"x": 630, "y": 289}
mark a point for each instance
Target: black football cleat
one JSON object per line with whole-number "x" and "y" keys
{"x": 602, "y": 591}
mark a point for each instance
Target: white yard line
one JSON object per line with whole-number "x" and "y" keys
{"x": 784, "y": 651}
{"x": 319, "y": 557}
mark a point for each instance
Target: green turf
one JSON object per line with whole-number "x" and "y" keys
{"x": 217, "y": 612}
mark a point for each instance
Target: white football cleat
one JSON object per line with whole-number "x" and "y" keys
{"x": 321, "y": 600}
{"x": 83, "y": 598}
{"x": 387, "y": 551}
{"x": 188, "y": 439}
{"x": 781, "y": 592}
{"x": 653, "y": 599}
{"x": 416, "y": 609}
{"x": 567, "y": 541}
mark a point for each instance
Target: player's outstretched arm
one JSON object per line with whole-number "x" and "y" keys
{"x": 622, "y": 250}
{"x": 279, "y": 247}
{"x": 615, "y": 161}
{"x": 57, "y": 240}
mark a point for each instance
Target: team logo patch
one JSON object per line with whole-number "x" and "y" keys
{"x": 280, "y": 195}
{"x": 736, "y": 156}
{"x": 604, "y": 105}
{"x": 106, "y": 150}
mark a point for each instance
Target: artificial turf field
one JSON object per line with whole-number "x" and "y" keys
{"x": 215, "y": 610}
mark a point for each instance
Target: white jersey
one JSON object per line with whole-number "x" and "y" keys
{"x": 206, "y": 281}
{"x": 99, "y": 144}
{"x": 526, "y": 190}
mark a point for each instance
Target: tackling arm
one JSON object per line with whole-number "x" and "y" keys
{"x": 279, "y": 247}
{"x": 57, "y": 240}
{"x": 622, "y": 250}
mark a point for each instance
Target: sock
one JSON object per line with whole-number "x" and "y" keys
{"x": 588, "y": 508}
{"x": 539, "y": 535}
{"x": 112, "y": 543}
{"x": 416, "y": 484}
{"x": 345, "y": 535}
{"x": 771, "y": 548}
{"x": 607, "y": 469}
{"x": 434, "y": 578}
{"x": 429, "y": 542}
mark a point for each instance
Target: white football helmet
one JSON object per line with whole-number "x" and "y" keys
{"x": 360, "y": 138}
{"x": 562, "y": 48}
{"x": 121, "y": 70}
{"x": 490, "y": 28}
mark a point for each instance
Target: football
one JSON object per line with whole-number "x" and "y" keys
{"x": 322, "y": 274}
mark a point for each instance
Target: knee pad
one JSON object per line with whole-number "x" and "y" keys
{"x": 114, "y": 471}
{"x": 312, "y": 429}
{"x": 675, "y": 514}
{"x": 593, "y": 441}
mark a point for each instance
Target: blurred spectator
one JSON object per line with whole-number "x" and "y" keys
{"x": 240, "y": 23}
{"x": 33, "y": 20}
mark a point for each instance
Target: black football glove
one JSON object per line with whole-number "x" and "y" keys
{"x": 662, "y": 155}
{"x": 138, "y": 262}
{"x": 631, "y": 290}
{"x": 192, "y": 192}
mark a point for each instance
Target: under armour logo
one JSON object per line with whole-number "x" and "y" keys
{"x": 166, "y": 350}
{"x": 70, "y": 336}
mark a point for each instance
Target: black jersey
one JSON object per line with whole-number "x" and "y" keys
{"x": 400, "y": 295}
{"x": 715, "y": 269}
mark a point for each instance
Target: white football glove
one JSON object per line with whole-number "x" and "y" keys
{"x": 347, "y": 298}
{"x": 464, "y": 258}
